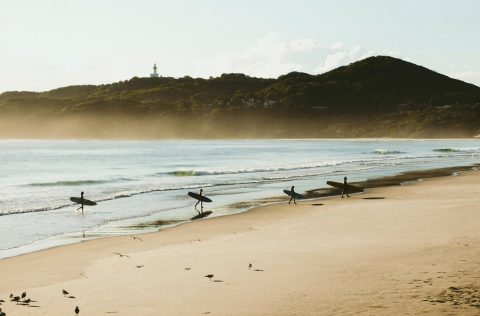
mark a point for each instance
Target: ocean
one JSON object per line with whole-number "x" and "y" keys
{"x": 143, "y": 185}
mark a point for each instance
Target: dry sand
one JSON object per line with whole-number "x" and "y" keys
{"x": 417, "y": 251}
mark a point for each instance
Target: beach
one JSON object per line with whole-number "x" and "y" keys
{"x": 191, "y": 158}
{"x": 410, "y": 249}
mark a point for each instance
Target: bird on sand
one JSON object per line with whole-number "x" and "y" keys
{"x": 77, "y": 310}
{"x": 71, "y": 296}
{"x": 136, "y": 238}
{"x": 121, "y": 255}
{"x": 11, "y": 295}
{"x": 65, "y": 292}
{"x": 24, "y": 294}
{"x": 140, "y": 266}
{"x": 27, "y": 301}
{"x": 210, "y": 276}
{"x": 16, "y": 299}
{"x": 249, "y": 265}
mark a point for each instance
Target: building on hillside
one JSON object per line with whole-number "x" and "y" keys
{"x": 154, "y": 74}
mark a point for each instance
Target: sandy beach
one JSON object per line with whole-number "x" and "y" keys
{"x": 403, "y": 250}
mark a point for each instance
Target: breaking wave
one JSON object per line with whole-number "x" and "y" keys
{"x": 457, "y": 150}
{"x": 192, "y": 173}
{"x": 387, "y": 152}
{"x": 74, "y": 182}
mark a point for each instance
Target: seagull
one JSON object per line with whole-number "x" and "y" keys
{"x": 210, "y": 276}
{"x": 77, "y": 310}
{"x": 16, "y": 299}
{"x": 135, "y": 237}
{"x": 11, "y": 295}
{"x": 249, "y": 265}
{"x": 121, "y": 255}
{"x": 65, "y": 292}
{"x": 24, "y": 294}
{"x": 27, "y": 301}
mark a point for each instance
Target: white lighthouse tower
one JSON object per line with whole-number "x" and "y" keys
{"x": 155, "y": 73}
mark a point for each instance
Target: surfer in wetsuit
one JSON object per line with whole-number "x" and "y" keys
{"x": 293, "y": 195}
{"x": 345, "y": 190}
{"x": 81, "y": 202}
{"x": 200, "y": 201}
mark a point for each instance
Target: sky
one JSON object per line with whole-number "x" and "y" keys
{"x": 45, "y": 44}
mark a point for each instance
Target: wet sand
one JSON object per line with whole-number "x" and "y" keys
{"x": 411, "y": 249}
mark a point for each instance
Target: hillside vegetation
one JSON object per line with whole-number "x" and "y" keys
{"x": 375, "y": 97}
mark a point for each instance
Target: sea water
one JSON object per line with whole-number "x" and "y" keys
{"x": 138, "y": 182}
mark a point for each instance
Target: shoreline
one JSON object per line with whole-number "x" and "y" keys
{"x": 343, "y": 240}
{"x": 319, "y": 193}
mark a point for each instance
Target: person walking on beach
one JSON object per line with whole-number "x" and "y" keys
{"x": 293, "y": 195}
{"x": 81, "y": 202}
{"x": 200, "y": 201}
{"x": 345, "y": 189}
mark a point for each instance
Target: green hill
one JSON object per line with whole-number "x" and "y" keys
{"x": 375, "y": 97}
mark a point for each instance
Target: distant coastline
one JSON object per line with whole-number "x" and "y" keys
{"x": 376, "y": 97}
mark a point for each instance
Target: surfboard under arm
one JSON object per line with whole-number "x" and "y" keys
{"x": 295, "y": 194}
{"x": 199, "y": 197}
{"x": 85, "y": 201}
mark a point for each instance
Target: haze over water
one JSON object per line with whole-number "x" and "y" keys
{"x": 144, "y": 181}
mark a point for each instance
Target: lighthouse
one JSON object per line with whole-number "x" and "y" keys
{"x": 155, "y": 73}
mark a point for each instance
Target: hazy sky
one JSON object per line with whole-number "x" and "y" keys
{"x": 46, "y": 44}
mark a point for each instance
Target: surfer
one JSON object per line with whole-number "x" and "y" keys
{"x": 200, "y": 201}
{"x": 81, "y": 202}
{"x": 293, "y": 195}
{"x": 345, "y": 190}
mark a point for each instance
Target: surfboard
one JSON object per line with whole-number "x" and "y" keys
{"x": 199, "y": 197}
{"x": 204, "y": 214}
{"x": 85, "y": 201}
{"x": 350, "y": 188}
{"x": 295, "y": 194}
